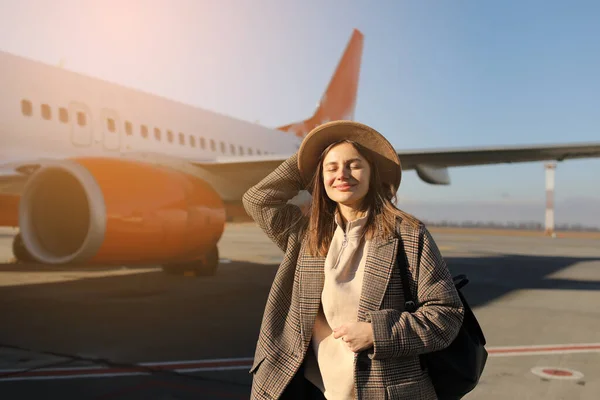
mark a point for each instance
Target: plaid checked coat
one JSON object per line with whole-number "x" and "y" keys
{"x": 391, "y": 368}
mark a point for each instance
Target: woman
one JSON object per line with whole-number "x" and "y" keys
{"x": 334, "y": 324}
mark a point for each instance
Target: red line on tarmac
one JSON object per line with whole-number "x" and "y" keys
{"x": 243, "y": 363}
{"x": 144, "y": 368}
{"x": 544, "y": 349}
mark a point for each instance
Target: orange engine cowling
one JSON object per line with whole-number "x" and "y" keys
{"x": 100, "y": 210}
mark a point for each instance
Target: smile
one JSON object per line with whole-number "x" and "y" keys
{"x": 343, "y": 188}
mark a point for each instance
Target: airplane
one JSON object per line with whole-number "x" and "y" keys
{"x": 92, "y": 172}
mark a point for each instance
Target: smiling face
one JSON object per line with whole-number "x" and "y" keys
{"x": 346, "y": 175}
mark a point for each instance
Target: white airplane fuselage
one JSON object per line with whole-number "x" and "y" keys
{"x": 47, "y": 112}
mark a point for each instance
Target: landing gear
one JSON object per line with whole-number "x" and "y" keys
{"x": 19, "y": 250}
{"x": 206, "y": 267}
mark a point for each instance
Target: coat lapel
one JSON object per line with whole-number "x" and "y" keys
{"x": 311, "y": 280}
{"x": 378, "y": 270}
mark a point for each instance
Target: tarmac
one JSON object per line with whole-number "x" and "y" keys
{"x": 136, "y": 333}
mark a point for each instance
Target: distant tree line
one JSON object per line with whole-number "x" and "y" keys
{"x": 530, "y": 226}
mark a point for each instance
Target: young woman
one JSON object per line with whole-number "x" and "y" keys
{"x": 334, "y": 325}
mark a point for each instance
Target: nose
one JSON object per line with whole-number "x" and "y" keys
{"x": 343, "y": 173}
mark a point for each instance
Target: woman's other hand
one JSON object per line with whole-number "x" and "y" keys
{"x": 358, "y": 336}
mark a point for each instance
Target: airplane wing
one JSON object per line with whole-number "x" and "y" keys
{"x": 431, "y": 164}
{"x": 497, "y": 155}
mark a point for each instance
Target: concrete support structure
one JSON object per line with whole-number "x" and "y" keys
{"x": 550, "y": 169}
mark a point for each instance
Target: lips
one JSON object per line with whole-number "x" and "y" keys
{"x": 344, "y": 188}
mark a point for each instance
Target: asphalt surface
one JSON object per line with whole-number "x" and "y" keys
{"x": 136, "y": 333}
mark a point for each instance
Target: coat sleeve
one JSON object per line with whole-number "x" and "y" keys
{"x": 436, "y": 322}
{"x": 267, "y": 202}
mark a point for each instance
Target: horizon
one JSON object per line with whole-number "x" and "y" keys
{"x": 581, "y": 211}
{"x": 443, "y": 76}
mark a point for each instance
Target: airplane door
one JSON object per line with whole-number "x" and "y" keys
{"x": 111, "y": 130}
{"x": 82, "y": 128}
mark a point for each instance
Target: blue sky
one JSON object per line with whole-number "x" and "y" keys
{"x": 435, "y": 74}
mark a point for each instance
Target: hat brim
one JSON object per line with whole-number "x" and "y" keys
{"x": 379, "y": 148}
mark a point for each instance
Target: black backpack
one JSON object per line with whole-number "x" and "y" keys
{"x": 455, "y": 370}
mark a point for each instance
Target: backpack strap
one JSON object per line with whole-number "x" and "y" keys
{"x": 409, "y": 303}
{"x": 402, "y": 261}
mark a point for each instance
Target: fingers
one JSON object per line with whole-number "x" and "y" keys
{"x": 340, "y": 331}
{"x": 354, "y": 346}
{"x": 353, "y": 335}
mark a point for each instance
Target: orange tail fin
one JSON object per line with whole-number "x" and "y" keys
{"x": 339, "y": 99}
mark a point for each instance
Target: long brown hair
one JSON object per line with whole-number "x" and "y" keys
{"x": 382, "y": 213}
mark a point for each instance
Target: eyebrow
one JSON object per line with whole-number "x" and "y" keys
{"x": 349, "y": 161}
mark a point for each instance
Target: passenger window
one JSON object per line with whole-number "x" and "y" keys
{"x": 192, "y": 141}
{"x": 222, "y": 147}
{"x": 258, "y": 152}
{"x": 241, "y": 151}
{"x": 111, "y": 124}
{"x": 144, "y": 131}
{"x": 249, "y": 151}
{"x": 170, "y": 136}
{"x": 81, "y": 118}
{"x": 26, "y": 108}
{"x": 63, "y": 115}
{"x": 128, "y": 128}
{"x": 232, "y": 149}
{"x": 202, "y": 143}
{"x": 46, "y": 112}
{"x": 213, "y": 146}
{"x": 157, "y": 134}
{"x": 181, "y": 139}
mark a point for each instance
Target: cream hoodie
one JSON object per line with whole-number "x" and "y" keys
{"x": 330, "y": 366}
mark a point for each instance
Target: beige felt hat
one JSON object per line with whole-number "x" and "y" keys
{"x": 317, "y": 140}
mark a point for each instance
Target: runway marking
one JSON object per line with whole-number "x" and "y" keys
{"x": 511, "y": 351}
{"x": 557, "y": 373}
{"x": 222, "y": 364}
{"x": 229, "y": 364}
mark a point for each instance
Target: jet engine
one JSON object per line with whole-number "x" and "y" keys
{"x": 110, "y": 211}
